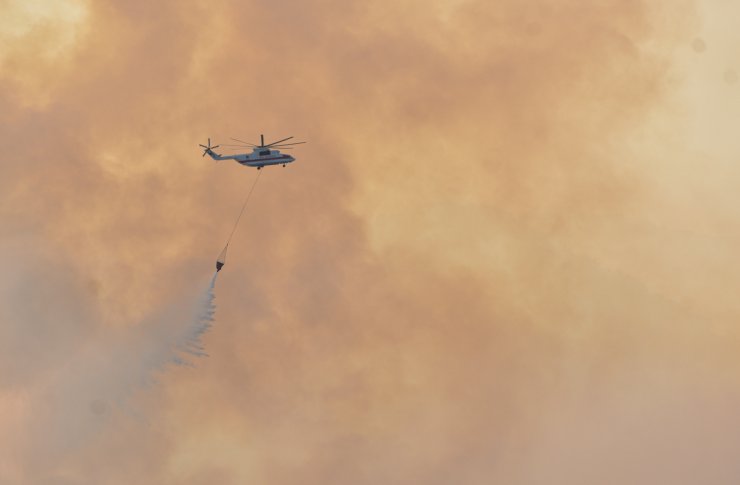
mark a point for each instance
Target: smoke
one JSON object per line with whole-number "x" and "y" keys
{"x": 507, "y": 253}
{"x": 71, "y": 376}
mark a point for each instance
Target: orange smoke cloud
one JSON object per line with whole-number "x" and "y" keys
{"x": 480, "y": 269}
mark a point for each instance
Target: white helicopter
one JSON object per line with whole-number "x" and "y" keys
{"x": 261, "y": 154}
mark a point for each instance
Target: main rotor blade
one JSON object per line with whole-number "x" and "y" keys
{"x": 245, "y": 142}
{"x": 276, "y": 142}
{"x": 288, "y": 144}
{"x": 237, "y": 146}
{"x": 203, "y": 146}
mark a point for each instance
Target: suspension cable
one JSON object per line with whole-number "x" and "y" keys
{"x": 222, "y": 257}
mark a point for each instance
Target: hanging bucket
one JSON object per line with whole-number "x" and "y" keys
{"x": 221, "y": 261}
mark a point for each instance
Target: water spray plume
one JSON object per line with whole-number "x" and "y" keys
{"x": 203, "y": 320}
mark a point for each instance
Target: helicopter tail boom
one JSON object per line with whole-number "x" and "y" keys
{"x": 215, "y": 155}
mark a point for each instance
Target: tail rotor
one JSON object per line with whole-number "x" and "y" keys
{"x": 208, "y": 148}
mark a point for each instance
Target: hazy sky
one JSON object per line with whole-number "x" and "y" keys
{"x": 506, "y": 255}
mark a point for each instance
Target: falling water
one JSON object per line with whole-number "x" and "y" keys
{"x": 191, "y": 342}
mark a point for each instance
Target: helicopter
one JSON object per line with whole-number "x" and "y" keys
{"x": 261, "y": 155}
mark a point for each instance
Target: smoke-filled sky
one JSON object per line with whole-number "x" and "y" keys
{"x": 506, "y": 255}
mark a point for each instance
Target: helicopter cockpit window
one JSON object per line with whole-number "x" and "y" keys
{"x": 265, "y": 152}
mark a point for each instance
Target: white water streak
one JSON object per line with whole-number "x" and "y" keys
{"x": 192, "y": 343}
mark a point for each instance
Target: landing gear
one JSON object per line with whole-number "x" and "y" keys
{"x": 283, "y": 165}
{"x": 259, "y": 168}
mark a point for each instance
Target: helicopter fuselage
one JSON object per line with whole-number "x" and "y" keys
{"x": 259, "y": 158}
